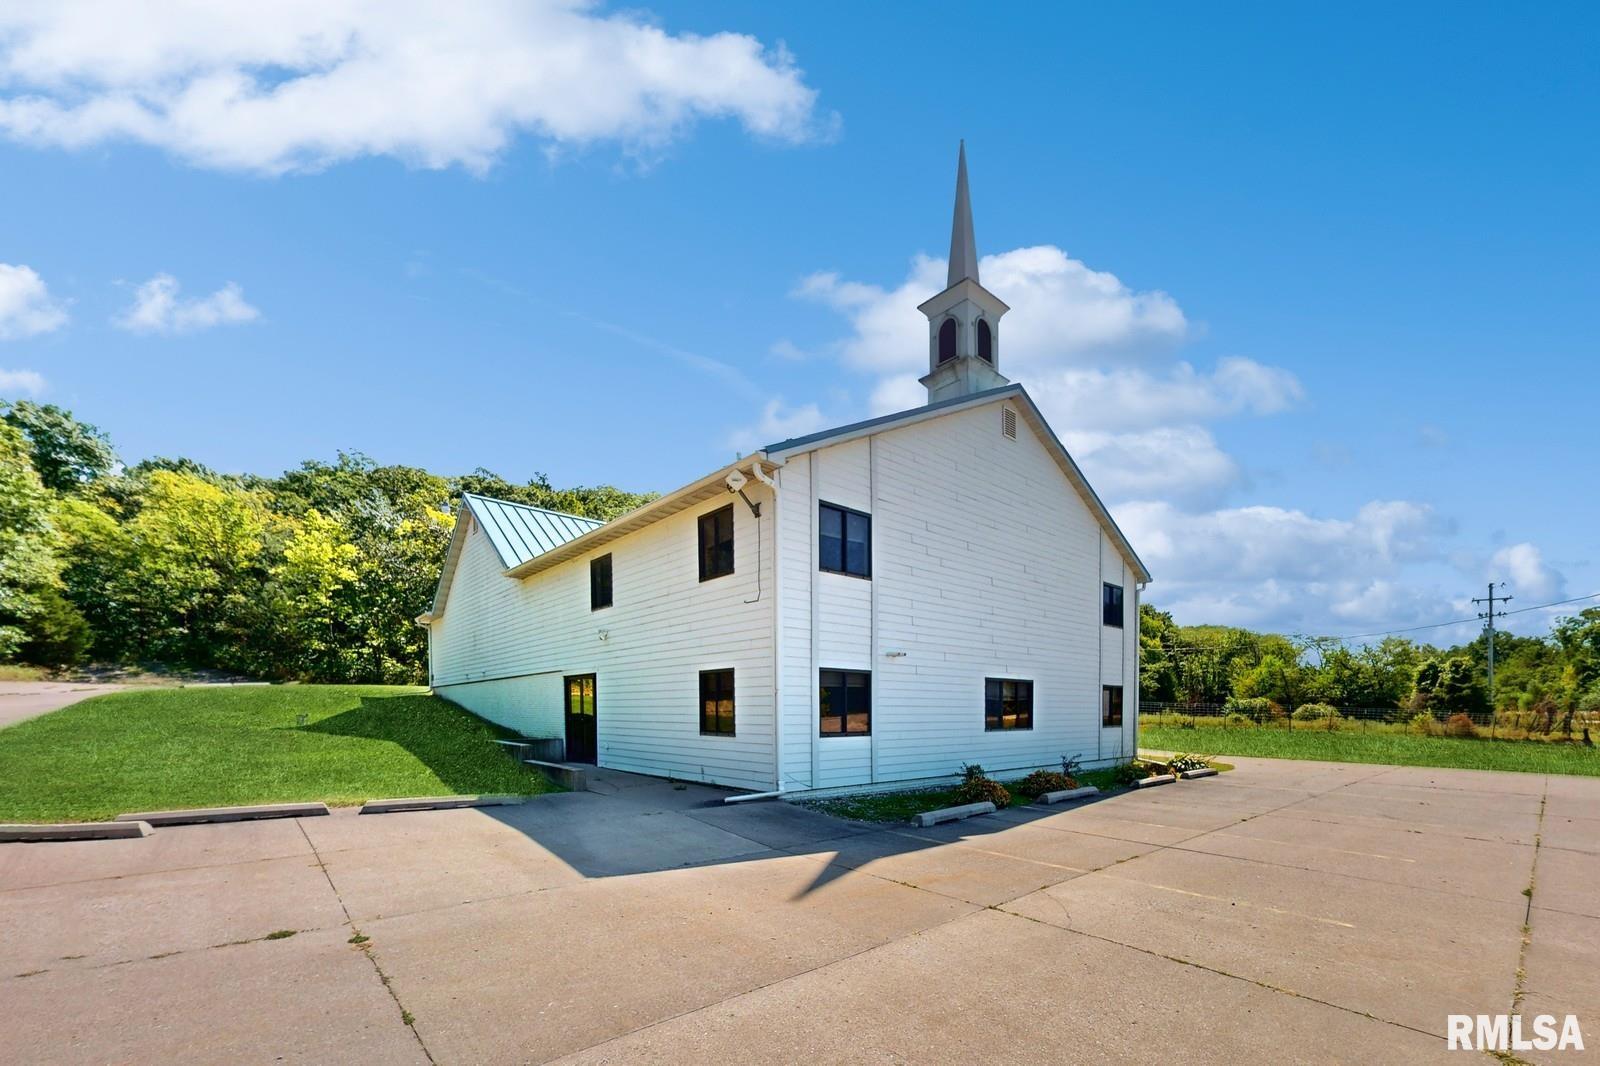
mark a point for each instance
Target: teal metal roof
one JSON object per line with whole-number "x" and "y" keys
{"x": 520, "y": 532}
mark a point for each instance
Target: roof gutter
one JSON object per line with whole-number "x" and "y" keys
{"x": 708, "y": 487}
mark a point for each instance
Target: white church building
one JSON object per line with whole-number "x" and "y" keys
{"x": 867, "y": 605}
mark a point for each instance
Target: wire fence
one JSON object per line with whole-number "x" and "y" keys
{"x": 1537, "y": 725}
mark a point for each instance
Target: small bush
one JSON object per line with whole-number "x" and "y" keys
{"x": 1460, "y": 725}
{"x": 1258, "y": 709}
{"x": 977, "y": 787}
{"x": 1316, "y": 712}
{"x": 1423, "y": 723}
{"x": 1181, "y": 763}
{"x": 1236, "y": 720}
{"x": 1041, "y": 781}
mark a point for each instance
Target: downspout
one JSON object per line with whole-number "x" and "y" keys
{"x": 777, "y": 630}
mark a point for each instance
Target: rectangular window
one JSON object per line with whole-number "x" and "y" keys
{"x": 716, "y": 703}
{"x": 846, "y": 703}
{"x": 600, "y": 582}
{"x": 845, "y": 541}
{"x": 1111, "y": 705}
{"x": 1007, "y": 704}
{"x": 716, "y": 543}
{"x": 1111, "y": 605}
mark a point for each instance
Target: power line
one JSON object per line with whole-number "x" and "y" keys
{"x": 1464, "y": 621}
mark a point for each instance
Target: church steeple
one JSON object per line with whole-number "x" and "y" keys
{"x": 964, "y": 319}
{"x": 963, "y": 248}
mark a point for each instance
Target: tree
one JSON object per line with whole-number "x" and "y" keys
{"x": 27, "y": 540}
{"x": 1450, "y": 686}
{"x": 196, "y": 568}
{"x": 67, "y": 454}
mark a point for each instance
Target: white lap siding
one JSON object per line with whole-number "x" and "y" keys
{"x": 502, "y": 646}
{"x": 986, "y": 563}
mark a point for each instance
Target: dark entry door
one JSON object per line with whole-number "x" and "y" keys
{"x": 580, "y": 719}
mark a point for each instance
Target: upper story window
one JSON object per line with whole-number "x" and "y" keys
{"x": 845, "y": 707}
{"x": 1111, "y": 605}
{"x": 600, "y": 582}
{"x": 716, "y": 703}
{"x": 985, "y": 341}
{"x": 947, "y": 340}
{"x": 844, "y": 540}
{"x": 1111, "y": 705}
{"x": 716, "y": 543}
{"x": 1007, "y": 703}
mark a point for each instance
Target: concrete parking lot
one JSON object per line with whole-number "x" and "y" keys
{"x": 1283, "y": 912}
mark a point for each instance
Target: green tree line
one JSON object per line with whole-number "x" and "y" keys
{"x": 1553, "y": 675}
{"x": 315, "y": 575}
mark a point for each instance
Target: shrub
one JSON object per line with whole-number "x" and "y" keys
{"x": 976, "y": 787}
{"x": 1236, "y": 719}
{"x": 1041, "y": 781}
{"x": 1258, "y": 709}
{"x": 1460, "y": 725}
{"x": 1129, "y": 772}
{"x": 1316, "y": 712}
{"x": 1424, "y": 723}
{"x": 1181, "y": 763}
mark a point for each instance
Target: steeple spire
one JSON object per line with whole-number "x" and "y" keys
{"x": 963, "y": 248}
{"x": 964, "y": 319}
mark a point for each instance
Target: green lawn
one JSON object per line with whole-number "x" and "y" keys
{"x": 900, "y": 806}
{"x": 210, "y": 747}
{"x": 1399, "y": 749}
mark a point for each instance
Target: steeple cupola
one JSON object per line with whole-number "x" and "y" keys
{"x": 964, "y": 319}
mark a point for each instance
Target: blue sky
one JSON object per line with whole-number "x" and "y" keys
{"x": 1310, "y": 293}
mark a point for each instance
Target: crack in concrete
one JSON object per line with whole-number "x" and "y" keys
{"x": 365, "y": 947}
{"x": 1519, "y": 985}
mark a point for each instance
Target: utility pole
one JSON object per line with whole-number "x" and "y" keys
{"x": 1488, "y": 616}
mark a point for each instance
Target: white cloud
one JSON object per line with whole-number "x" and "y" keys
{"x": 778, "y": 423}
{"x": 26, "y": 307}
{"x": 1062, "y": 313}
{"x": 1090, "y": 397}
{"x": 302, "y": 84}
{"x": 1522, "y": 566}
{"x": 158, "y": 309}
{"x": 1280, "y": 568}
{"x": 1168, "y": 462}
{"x": 28, "y": 381}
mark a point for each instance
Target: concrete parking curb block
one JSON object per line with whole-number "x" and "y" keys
{"x": 1067, "y": 794}
{"x": 438, "y": 803}
{"x": 1207, "y": 772}
{"x": 228, "y": 814}
{"x": 1159, "y": 779}
{"x": 951, "y": 814}
{"x": 75, "y": 831}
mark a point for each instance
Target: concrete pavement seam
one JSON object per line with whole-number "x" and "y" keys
{"x": 365, "y": 946}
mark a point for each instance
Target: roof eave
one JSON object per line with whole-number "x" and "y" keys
{"x": 661, "y": 507}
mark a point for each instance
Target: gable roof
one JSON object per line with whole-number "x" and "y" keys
{"x": 518, "y": 532}
{"x": 530, "y": 539}
{"x": 782, "y": 450}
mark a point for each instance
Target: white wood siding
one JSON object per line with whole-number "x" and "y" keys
{"x": 664, "y": 628}
{"x": 986, "y": 563}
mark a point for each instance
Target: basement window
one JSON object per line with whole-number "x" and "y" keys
{"x": 716, "y": 543}
{"x": 716, "y": 703}
{"x": 600, "y": 582}
{"x": 1007, "y": 703}
{"x": 1110, "y": 705}
{"x": 844, "y": 540}
{"x": 1111, "y": 605}
{"x": 846, "y": 703}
